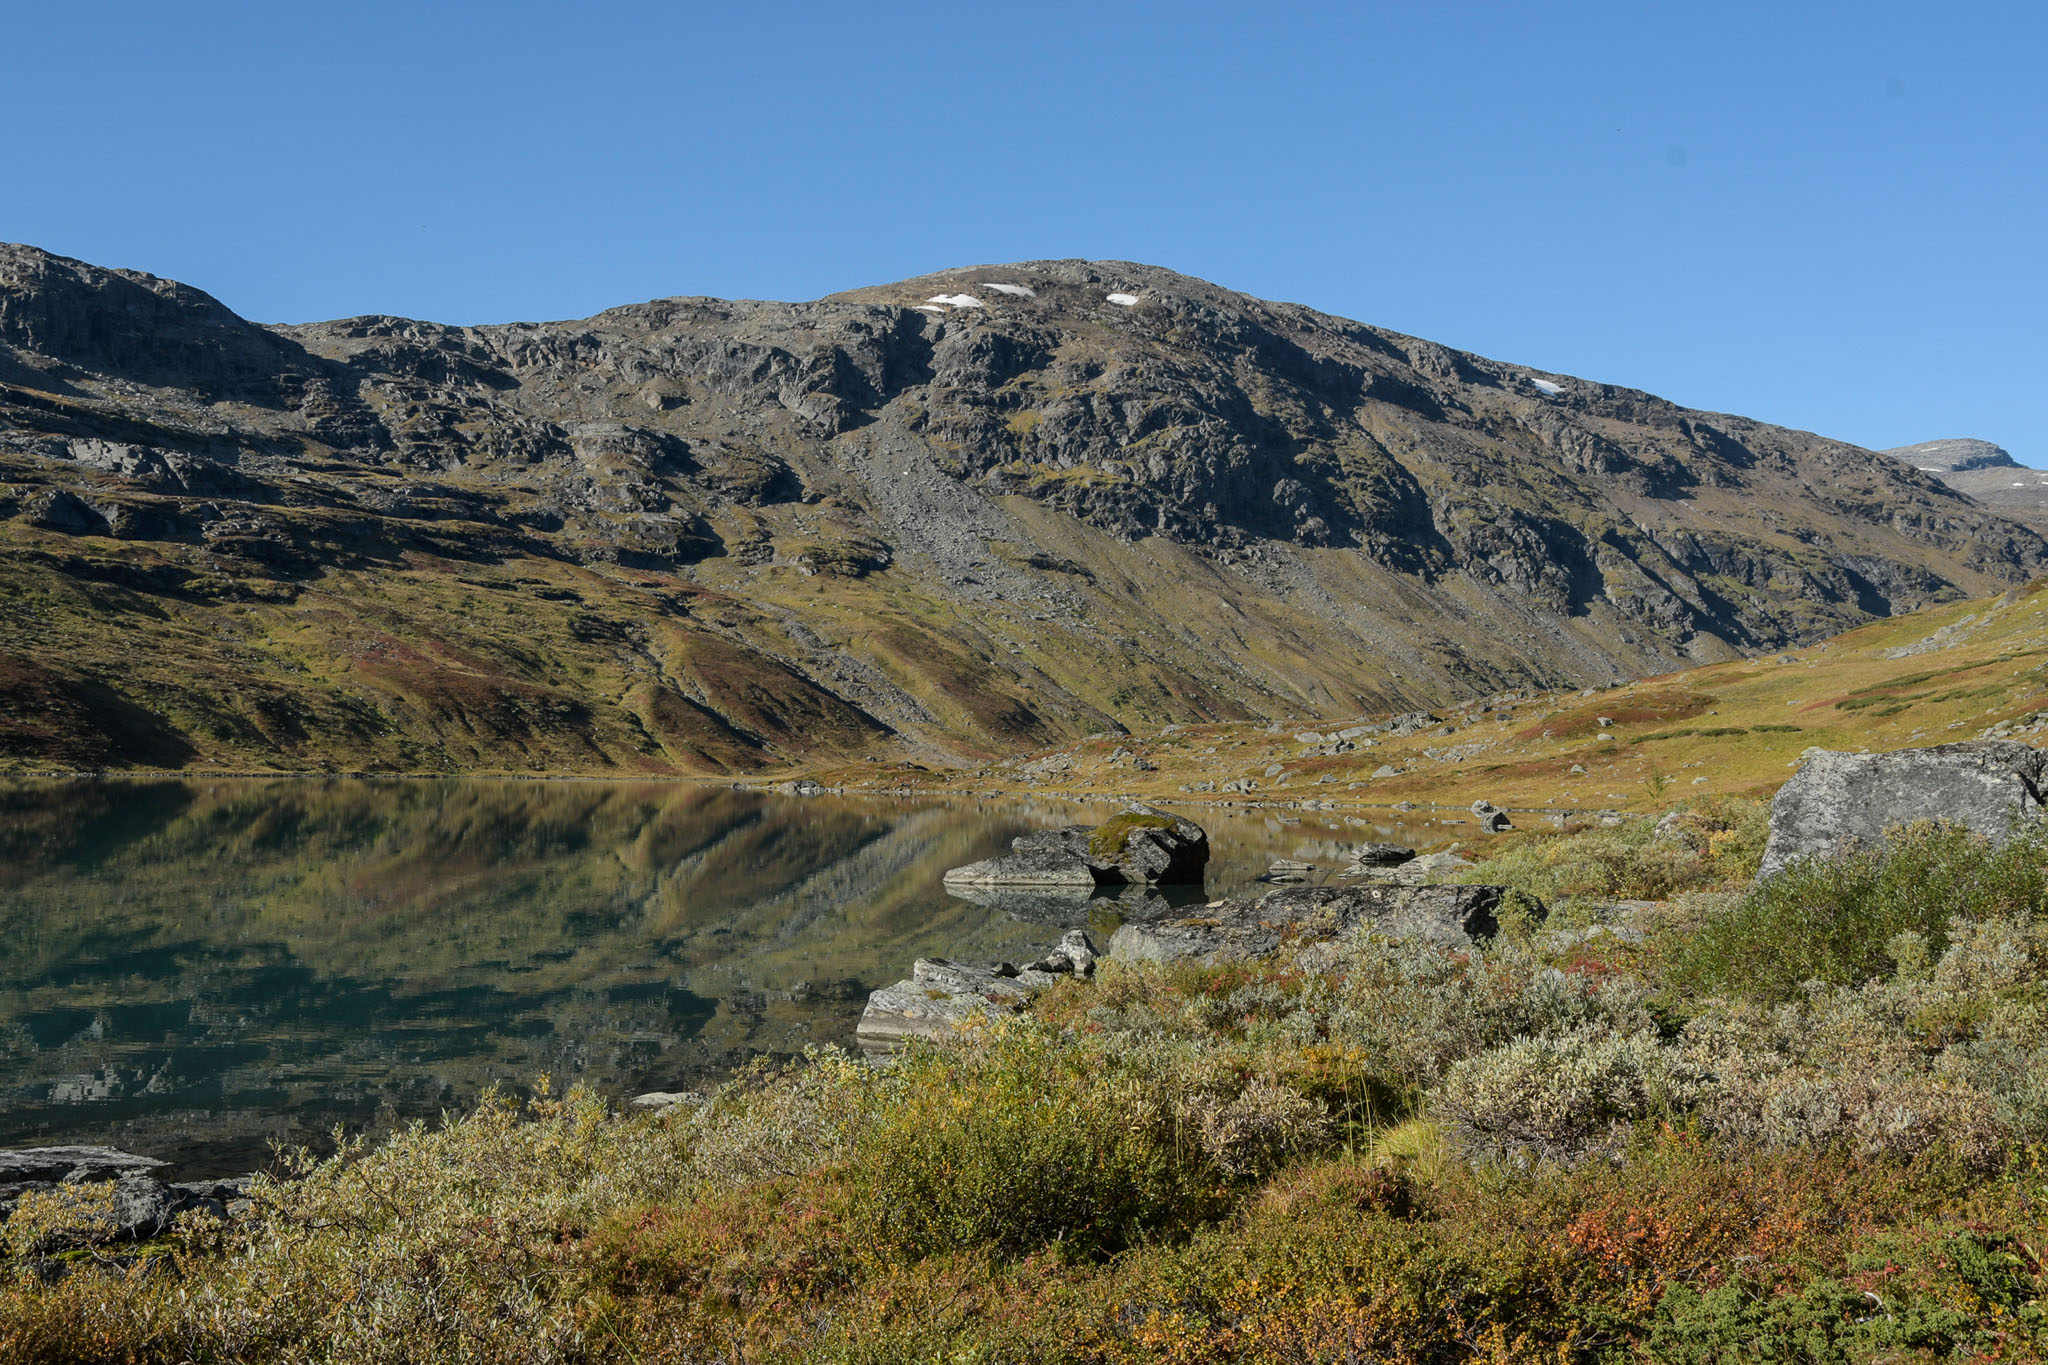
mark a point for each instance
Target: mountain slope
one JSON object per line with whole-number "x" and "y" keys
{"x": 703, "y": 535}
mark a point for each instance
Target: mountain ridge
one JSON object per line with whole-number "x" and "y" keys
{"x": 707, "y": 535}
{"x": 1984, "y": 472}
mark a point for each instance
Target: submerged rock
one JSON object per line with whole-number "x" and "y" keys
{"x": 1287, "y": 870}
{"x": 1840, "y": 801}
{"x": 1141, "y": 846}
{"x": 1372, "y": 856}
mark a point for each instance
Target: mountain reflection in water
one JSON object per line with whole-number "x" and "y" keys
{"x": 194, "y": 969}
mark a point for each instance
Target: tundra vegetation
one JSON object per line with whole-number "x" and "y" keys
{"x": 1805, "y": 1120}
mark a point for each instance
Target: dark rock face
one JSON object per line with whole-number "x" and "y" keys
{"x": 1840, "y": 801}
{"x": 1385, "y": 519}
{"x": 1140, "y": 847}
{"x": 1240, "y": 931}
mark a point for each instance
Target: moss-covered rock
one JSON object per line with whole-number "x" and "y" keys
{"x": 1140, "y": 846}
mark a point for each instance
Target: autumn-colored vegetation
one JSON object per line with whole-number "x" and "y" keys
{"x": 1593, "y": 1139}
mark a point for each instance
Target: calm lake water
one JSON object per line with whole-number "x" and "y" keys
{"x": 196, "y": 969}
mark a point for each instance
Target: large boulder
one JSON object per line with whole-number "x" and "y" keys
{"x": 1243, "y": 930}
{"x": 1840, "y": 801}
{"x": 1140, "y": 846}
{"x": 1043, "y": 858}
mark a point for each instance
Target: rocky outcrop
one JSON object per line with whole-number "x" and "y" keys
{"x": 1243, "y": 930}
{"x": 139, "y": 1206}
{"x": 1954, "y": 455}
{"x": 1841, "y": 801}
{"x": 1139, "y": 847}
{"x": 940, "y": 996}
{"x": 1985, "y": 472}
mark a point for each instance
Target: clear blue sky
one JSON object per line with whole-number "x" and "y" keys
{"x": 1827, "y": 215}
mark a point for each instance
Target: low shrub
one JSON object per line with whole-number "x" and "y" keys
{"x": 1562, "y": 1097}
{"x": 1013, "y": 1142}
{"x": 1831, "y": 920}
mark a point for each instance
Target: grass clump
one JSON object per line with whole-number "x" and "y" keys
{"x": 1706, "y": 845}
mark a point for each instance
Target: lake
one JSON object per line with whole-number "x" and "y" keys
{"x": 195, "y": 969}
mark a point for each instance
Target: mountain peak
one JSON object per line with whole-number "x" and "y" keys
{"x": 1954, "y": 455}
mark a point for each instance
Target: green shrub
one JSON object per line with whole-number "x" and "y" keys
{"x": 1014, "y": 1142}
{"x": 1832, "y": 919}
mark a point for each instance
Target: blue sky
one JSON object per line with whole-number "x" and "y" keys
{"x": 1831, "y": 216}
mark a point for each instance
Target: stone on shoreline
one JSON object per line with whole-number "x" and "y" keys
{"x": 940, "y": 995}
{"x": 141, "y": 1206}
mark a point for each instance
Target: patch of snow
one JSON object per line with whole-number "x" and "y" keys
{"x": 2018, "y": 483}
{"x": 1545, "y": 386}
{"x": 1124, "y": 300}
{"x": 957, "y": 300}
{"x": 1015, "y": 291}
{"x": 930, "y": 308}
{"x": 1932, "y": 468}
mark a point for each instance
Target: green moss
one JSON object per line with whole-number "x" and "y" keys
{"x": 1106, "y": 844}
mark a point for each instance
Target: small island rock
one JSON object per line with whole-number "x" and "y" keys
{"x": 1141, "y": 846}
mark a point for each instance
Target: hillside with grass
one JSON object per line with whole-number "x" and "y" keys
{"x": 1973, "y": 670}
{"x": 981, "y": 512}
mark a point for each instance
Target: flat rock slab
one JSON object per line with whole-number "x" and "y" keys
{"x": 940, "y": 995}
{"x": 71, "y": 1165}
{"x": 1244, "y": 930}
{"x": 1067, "y": 907}
{"x": 142, "y": 1205}
{"x": 1840, "y": 801}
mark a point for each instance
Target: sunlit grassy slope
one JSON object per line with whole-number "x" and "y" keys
{"x": 1933, "y": 677}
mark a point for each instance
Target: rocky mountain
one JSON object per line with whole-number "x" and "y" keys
{"x": 980, "y": 510}
{"x": 1987, "y": 473}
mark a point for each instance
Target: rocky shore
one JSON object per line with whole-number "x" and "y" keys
{"x": 1836, "y": 803}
